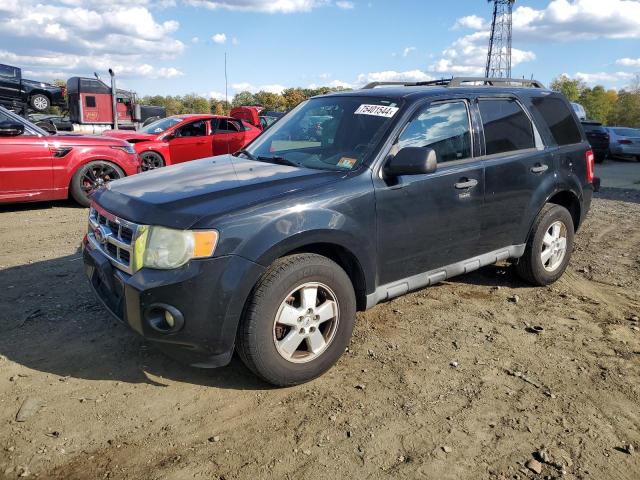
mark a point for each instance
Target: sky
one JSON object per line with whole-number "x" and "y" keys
{"x": 174, "y": 47}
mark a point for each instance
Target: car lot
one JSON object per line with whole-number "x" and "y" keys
{"x": 448, "y": 382}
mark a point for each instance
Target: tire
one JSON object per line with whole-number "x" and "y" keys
{"x": 102, "y": 171}
{"x": 151, "y": 161}
{"x": 39, "y": 102}
{"x": 530, "y": 267}
{"x": 261, "y": 341}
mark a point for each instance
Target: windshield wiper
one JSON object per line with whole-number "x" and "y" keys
{"x": 279, "y": 160}
{"x": 246, "y": 153}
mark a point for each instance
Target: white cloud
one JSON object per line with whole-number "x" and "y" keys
{"x": 219, "y": 38}
{"x": 571, "y": 20}
{"x": 345, "y": 5}
{"x": 216, "y": 95}
{"x": 629, "y": 62}
{"x": 195, "y": 39}
{"x": 468, "y": 55}
{"x": 393, "y": 76}
{"x": 249, "y": 87}
{"x": 407, "y": 51}
{"x": 79, "y": 36}
{"x": 264, "y": 6}
{"x": 473, "y": 22}
{"x": 597, "y": 78}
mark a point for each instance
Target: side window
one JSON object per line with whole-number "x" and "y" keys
{"x": 556, "y": 114}
{"x": 506, "y": 127}
{"x": 227, "y": 125}
{"x": 90, "y": 101}
{"x": 193, "y": 129}
{"x": 443, "y": 127}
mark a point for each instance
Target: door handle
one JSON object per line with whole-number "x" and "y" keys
{"x": 466, "y": 183}
{"x": 539, "y": 168}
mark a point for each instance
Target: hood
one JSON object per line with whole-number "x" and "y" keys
{"x": 181, "y": 195}
{"x": 70, "y": 139}
{"x": 130, "y": 135}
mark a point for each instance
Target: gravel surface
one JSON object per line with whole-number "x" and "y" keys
{"x": 478, "y": 377}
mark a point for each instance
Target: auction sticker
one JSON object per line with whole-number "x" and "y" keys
{"x": 376, "y": 110}
{"x": 346, "y": 162}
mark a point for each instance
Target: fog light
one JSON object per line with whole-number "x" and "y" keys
{"x": 164, "y": 318}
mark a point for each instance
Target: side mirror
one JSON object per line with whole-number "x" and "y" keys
{"x": 412, "y": 161}
{"x": 11, "y": 129}
{"x": 168, "y": 137}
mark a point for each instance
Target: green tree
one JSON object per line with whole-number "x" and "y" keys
{"x": 292, "y": 97}
{"x": 598, "y": 103}
{"x": 270, "y": 101}
{"x": 244, "y": 99}
{"x": 193, "y": 103}
{"x": 570, "y": 88}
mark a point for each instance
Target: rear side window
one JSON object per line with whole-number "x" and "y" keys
{"x": 506, "y": 127}
{"x": 8, "y": 72}
{"x": 558, "y": 117}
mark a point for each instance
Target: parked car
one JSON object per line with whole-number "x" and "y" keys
{"x": 38, "y": 95}
{"x": 256, "y": 116}
{"x": 182, "y": 138}
{"x": 35, "y": 165}
{"x": 580, "y": 111}
{"x": 598, "y": 137}
{"x": 51, "y": 123}
{"x": 624, "y": 142}
{"x": 273, "y": 249}
{"x": 269, "y": 118}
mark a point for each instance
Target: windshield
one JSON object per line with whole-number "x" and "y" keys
{"x": 161, "y": 125}
{"x": 627, "y": 132}
{"x": 328, "y": 133}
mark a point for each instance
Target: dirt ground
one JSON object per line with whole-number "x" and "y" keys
{"x": 470, "y": 379}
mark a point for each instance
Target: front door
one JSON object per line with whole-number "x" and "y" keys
{"x": 26, "y": 166}
{"x": 430, "y": 221}
{"x": 190, "y": 142}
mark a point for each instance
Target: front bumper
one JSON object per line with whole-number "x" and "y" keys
{"x": 209, "y": 293}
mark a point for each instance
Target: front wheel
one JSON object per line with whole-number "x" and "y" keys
{"x": 40, "y": 102}
{"x": 549, "y": 248}
{"x": 90, "y": 177}
{"x": 298, "y": 321}
{"x": 151, "y": 161}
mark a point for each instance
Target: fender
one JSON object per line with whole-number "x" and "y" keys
{"x": 295, "y": 230}
{"x": 541, "y": 198}
{"x": 159, "y": 147}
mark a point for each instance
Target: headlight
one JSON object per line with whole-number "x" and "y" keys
{"x": 166, "y": 248}
{"x": 125, "y": 148}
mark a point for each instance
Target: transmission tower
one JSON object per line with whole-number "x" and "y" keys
{"x": 499, "y": 57}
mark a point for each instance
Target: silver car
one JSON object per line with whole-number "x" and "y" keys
{"x": 624, "y": 142}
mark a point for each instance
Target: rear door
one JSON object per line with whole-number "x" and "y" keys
{"x": 229, "y": 136}
{"x": 433, "y": 220}
{"x": 516, "y": 166}
{"x": 26, "y": 166}
{"x": 191, "y": 141}
{"x": 10, "y": 82}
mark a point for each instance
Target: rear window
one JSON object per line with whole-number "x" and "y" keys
{"x": 506, "y": 127}
{"x": 627, "y": 132}
{"x": 557, "y": 115}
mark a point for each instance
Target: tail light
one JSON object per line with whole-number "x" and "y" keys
{"x": 590, "y": 166}
{"x": 625, "y": 142}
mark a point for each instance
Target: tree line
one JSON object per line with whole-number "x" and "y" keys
{"x": 609, "y": 107}
{"x": 192, "y": 103}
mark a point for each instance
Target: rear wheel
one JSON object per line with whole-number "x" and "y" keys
{"x": 549, "y": 248}
{"x": 40, "y": 102}
{"x": 298, "y": 320}
{"x": 151, "y": 161}
{"x": 92, "y": 176}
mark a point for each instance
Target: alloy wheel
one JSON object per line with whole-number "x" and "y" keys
{"x": 554, "y": 246}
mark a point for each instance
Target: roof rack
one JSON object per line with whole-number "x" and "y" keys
{"x": 459, "y": 81}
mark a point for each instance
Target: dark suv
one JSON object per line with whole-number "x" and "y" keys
{"x": 272, "y": 250}
{"x": 598, "y": 138}
{"x": 15, "y": 90}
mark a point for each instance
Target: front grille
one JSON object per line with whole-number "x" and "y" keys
{"x": 114, "y": 237}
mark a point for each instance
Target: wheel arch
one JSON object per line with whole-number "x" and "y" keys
{"x": 570, "y": 201}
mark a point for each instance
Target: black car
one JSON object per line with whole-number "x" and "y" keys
{"x": 15, "y": 90}
{"x": 598, "y": 137}
{"x": 272, "y": 250}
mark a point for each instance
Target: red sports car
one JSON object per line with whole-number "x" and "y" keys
{"x": 181, "y": 138}
{"x": 35, "y": 165}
